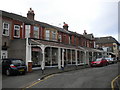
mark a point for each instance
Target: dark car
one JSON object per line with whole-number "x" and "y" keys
{"x": 99, "y": 62}
{"x": 13, "y": 66}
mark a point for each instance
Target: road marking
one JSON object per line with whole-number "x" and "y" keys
{"x": 112, "y": 83}
{"x": 40, "y": 81}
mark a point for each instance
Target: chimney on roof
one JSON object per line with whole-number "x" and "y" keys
{"x": 30, "y": 14}
{"x": 84, "y": 32}
{"x": 65, "y": 26}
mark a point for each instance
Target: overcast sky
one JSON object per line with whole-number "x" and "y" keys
{"x": 99, "y": 17}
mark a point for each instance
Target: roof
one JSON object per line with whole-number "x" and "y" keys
{"x": 32, "y": 22}
{"x": 51, "y": 44}
{"x": 104, "y": 40}
{"x": 89, "y": 36}
{"x": 56, "y": 44}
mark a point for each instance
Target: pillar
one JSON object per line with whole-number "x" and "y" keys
{"x": 51, "y": 56}
{"x": 66, "y": 56}
{"x": 85, "y": 57}
{"x": 43, "y": 57}
{"x": 71, "y": 56}
{"x": 92, "y": 56}
{"x": 76, "y": 57}
{"x": 59, "y": 58}
{"x": 63, "y": 57}
{"x": 28, "y": 56}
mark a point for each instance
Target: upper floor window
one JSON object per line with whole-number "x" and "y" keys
{"x": 27, "y": 31}
{"x": 70, "y": 39}
{"x": 47, "y": 33}
{"x": 16, "y": 31}
{"x": 53, "y": 35}
{"x": 36, "y": 32}
{"x": 60, "y": 38}
{"x": 75, "y": 40}
{"x": 6, "y": 29}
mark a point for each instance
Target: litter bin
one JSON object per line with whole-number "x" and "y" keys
{"x": 29, "y": 66}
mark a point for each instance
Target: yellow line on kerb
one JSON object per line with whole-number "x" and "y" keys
{"x": 39, "y": 81}
{"x": 112, "y": 83}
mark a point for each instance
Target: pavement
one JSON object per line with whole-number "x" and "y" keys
{"x": 54, "y": 70}
{"x": 29, "y": 78}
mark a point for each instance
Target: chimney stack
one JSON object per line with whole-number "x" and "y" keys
{"x": 65, "y": 26}
{"x": 30, "y": 14}
{"x": 84, "y": 32}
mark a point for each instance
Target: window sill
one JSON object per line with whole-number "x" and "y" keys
{"x": 5, "y": 35}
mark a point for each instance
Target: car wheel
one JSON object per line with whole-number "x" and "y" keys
{"x": 8, "y": 72}
{"x": 23, "y": 73}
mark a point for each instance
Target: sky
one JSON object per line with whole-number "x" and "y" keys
{"x": 99, "y": 17}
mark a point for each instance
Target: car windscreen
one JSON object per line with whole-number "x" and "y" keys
{"x": 98, "y": 59}
{"x": 16, "y": 62}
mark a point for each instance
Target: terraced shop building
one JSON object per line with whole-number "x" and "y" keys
{"x": 44, "y": 44}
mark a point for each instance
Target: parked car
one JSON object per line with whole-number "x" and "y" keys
{"x": 99, "y": 62}
{"x": 13, "y": 66}
{"x": 110, "y": 60}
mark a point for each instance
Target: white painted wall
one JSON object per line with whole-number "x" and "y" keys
{"x": 0, "y": 48}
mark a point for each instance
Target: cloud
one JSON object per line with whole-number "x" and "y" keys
{"x": 96, "y": 16}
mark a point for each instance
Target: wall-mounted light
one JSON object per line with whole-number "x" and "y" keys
{"x": 21, "y": 26}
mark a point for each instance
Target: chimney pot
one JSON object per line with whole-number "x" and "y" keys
{"x": 65, "y": 26}
{"x": 84, "y": 32}
{"x": 30, "y": 14}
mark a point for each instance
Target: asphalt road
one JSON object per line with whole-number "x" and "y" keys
{"x": 99, "y": 77}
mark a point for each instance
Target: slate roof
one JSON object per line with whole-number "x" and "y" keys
{"x": 104, "y": 40}
{"x": 32, "y": 22}
{"x": 89, "y": 36}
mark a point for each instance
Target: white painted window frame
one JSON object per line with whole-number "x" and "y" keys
{"x": 27, "y": 31}
{"x": 47, "y": 35}
{"x": 36, "y": 31}
{"x": 6, "y": 28}
{"x": 5, "y": 52}
{"x": 54, "y": 34}
{"x": 17, "y": 30}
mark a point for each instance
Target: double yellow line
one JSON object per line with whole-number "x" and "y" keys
{"x": 112, "y": 82}
{"x": 39, "y": 81}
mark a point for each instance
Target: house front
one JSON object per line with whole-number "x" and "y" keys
{"x": 44, "y": 45}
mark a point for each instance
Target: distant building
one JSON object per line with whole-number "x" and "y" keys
{"x": 108, "y": 44}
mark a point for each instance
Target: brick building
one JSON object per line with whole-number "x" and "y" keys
{"x": 44, "y": 44}
{"x": 108, "y": 44}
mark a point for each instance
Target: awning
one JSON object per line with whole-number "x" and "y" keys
{"x": 34, "y": 42}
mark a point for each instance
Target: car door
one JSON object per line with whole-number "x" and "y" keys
{"x": 5, "y": 65}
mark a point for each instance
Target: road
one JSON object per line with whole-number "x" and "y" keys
{"x": 99, "y": 77}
